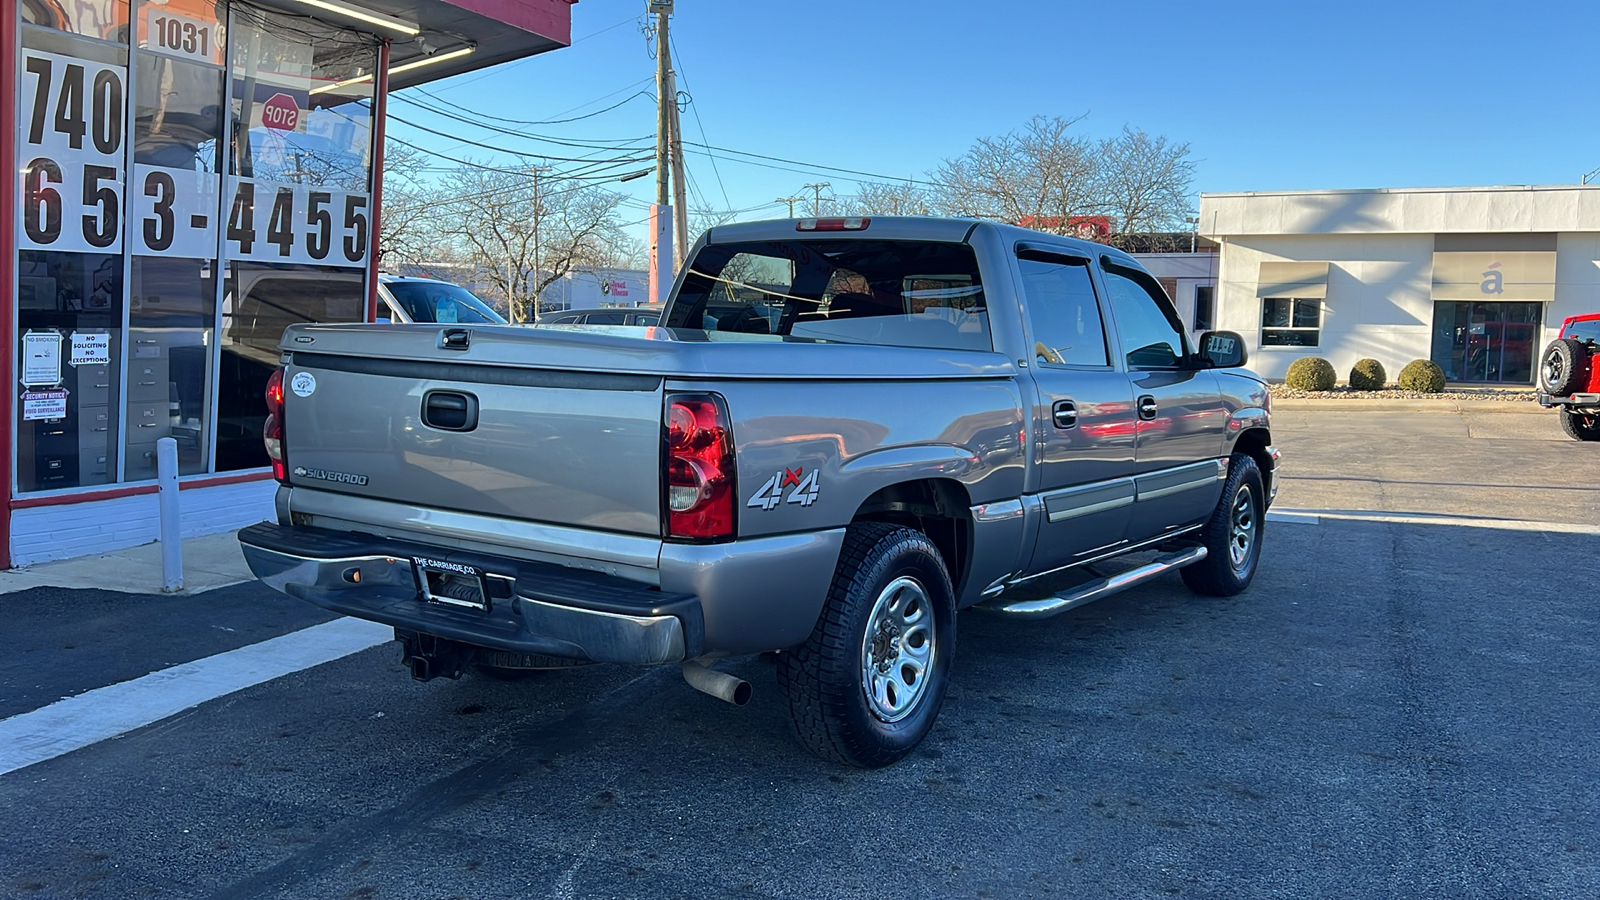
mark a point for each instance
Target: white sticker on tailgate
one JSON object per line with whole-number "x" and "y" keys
{"x": 303, "y": 384}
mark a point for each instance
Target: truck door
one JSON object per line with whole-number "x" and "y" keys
{"x": 1083, "y": 415}
{"x": 1181, "y": 420}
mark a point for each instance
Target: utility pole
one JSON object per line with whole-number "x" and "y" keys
{"x": 816, "y": 195}
{"x": 680, "y": 201}
{"x": 661, "y": 210}
{"x": 791, "y": 201}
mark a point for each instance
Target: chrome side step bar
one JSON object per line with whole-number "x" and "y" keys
{"x": 1055, "y": 605}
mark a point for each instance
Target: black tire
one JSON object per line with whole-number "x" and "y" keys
{"x": 1579, "y": 426}
{"x": 881, "y": 568}
{"x": 509, "y": 665}
{"x": 1564, "y": 367}
{"x": 1239, "y": 519}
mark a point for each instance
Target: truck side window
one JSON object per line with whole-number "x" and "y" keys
{"x": 1151, "y": 336}
{"x": 1062, "y": 310}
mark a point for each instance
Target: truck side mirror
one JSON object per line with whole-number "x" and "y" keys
{"x": 1222, "y": 349}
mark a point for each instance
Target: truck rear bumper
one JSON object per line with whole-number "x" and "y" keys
{"x": 529, "y": 607}
{"x": 1548, "y": 400}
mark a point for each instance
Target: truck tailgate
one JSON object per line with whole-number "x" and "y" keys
{"x": 480, "y": 435}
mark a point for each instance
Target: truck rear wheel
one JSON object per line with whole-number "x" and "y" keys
{"x": 865, "y": 688}
{"x": 1578, "y": 426}
{"x": 1232, "y": 536}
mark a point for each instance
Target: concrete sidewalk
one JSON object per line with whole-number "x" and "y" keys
{"x": 209, "y": 562}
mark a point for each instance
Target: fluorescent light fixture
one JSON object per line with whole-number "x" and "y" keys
{"x": 365, "y": 15}
{"x": 415, "y": 64}
{"x": 430, "y": 60}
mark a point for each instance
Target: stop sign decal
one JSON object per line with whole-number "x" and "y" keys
{"x": 280, "y": 112}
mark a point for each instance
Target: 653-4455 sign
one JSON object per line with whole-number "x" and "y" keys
{"x": 72, "y": 166}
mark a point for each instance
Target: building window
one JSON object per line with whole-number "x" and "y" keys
{"x": 1290, "y": 322}
{"x": 1205, "y": 307}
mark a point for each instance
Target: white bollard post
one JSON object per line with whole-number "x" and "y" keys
{"x": 171, "y": 543}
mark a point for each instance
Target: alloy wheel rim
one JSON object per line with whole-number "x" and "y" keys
{"x": 1242, "y": 528}
{"x": 1552, "y": 371}
{"x": 897, "y": 650}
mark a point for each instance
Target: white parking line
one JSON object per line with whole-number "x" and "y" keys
{"x": 93, "y": 716}
{"x": 1318, "y": 516}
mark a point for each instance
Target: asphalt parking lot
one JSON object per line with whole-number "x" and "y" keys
{"x": 1402, "y": 705}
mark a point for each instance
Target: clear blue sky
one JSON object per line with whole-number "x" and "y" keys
{"x": 1268, "y": 95}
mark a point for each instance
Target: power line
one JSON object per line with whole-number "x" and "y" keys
{"x": 485, "y": 115}
{"x": 499, "y": 149}
{"x": 595, "y": 143}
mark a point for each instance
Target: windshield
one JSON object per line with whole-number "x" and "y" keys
{"x": 899, "y": 293}
{"x": 436, "y": 301}
{"x": 1585, "y": 330}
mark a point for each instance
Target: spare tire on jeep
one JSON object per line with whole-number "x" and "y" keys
{"x": 1564, "y": 367}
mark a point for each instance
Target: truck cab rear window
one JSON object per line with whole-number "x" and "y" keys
{"x": 896, "y": 293}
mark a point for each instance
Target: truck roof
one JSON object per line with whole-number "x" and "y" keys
{"x": 907, "y": 228}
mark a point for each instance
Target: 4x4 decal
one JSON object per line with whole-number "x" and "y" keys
{"x": 771, "y": 493}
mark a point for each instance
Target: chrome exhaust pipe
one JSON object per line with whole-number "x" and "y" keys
{"x": 720, "y": 685}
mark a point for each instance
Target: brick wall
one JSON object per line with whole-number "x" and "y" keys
{"x": 43, "y": 533}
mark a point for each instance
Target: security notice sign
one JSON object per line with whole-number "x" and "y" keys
{"x": 70, "y": 154}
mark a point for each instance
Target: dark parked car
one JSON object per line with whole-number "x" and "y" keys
{"x": 617, "y": 315}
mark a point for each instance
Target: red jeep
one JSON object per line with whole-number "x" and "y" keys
{"x": 1569, "y": 377}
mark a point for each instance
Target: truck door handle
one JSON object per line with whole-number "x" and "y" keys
{"x": 450, "y": 410}
{"x": 1147, "y": 407}
{"x": 1065, "y": 414}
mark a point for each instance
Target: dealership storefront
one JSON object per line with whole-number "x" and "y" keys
{"x": 192, "y": 177}
{"x": 1476, "y": 279}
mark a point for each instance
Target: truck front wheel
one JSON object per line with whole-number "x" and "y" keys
{"x": 865, "y": 688}
{"x": 1232, "y": 536}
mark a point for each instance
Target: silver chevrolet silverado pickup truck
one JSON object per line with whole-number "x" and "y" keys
{"x": 843, "y": 432}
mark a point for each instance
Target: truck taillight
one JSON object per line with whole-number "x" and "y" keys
{"x": 272, "y": 431}
{"x": 699, "y": 468}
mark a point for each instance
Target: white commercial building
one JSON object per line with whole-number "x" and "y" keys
{"x": 1476, "y": 279}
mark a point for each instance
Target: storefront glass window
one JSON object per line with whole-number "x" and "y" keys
{"x": 69, "y": 326}
{"x": 298, "y": 222}
{"x": 259, "y": 302}
{"x": 234, "y": 144}
{"x": 1488, "y": 342}
{"x": 172, "y": 307}
{"x": 103, "y": 19}
{"x": 302, "y": 100}
{"x": 173, "y": 211}
{"x": 71, "y": 159}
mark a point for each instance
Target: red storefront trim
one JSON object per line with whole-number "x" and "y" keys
{"x": 8, "y": 259}
{"x": 136, "y": 490}
{"x": 380, "y": 116}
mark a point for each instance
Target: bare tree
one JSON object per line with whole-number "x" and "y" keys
{"x": 1144, "y": 182}
{"x": 526, "y": 229}
{"x": 407, "y": 231}
{"x": 1042, "y": 176}
{"x": 877, "y": 198}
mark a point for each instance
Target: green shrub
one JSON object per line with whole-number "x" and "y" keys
{"x": 1310, "y": 373}
{"x": 1423, "y": 376}
{"x": 1368, "y": 375}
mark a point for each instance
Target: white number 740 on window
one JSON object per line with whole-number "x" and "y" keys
{"x": 803, "y": 484}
